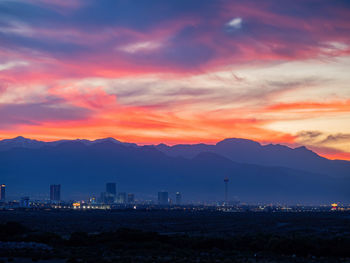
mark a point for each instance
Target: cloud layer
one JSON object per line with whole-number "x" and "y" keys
{"x": 177, "y": 71}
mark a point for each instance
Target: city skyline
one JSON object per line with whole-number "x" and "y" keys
{"x": 259, "y": 173}
{"x": 164, "y": 199}
{"x": 174, "y": 131}
{"x": 177, "y": 71}
{"x": 113, "y": 197}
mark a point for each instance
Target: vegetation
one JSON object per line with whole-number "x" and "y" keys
{"x": 130, "y": 245}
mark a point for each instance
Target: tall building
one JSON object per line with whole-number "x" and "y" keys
{"x": 226, "y": 180}
{"x": 178, "y": 198}
{"x": 111, "y": 188}
{"x": 55, "y": 192}
{"x": 121, "y": 198}
{"x": 131, "y": 198}
{"x": 163, "y": 198}
{"x": 2, "y": 192}
{"x": 107, "y": 198}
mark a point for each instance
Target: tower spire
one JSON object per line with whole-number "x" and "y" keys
{"x": 226, "y": 180}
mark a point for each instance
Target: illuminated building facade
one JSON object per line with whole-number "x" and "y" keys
{"x": 163, "y": 198}
{"x": 107, "y": 198}
{"x": 121, "y": 198}
{"x": 334, "y": 207}
{"x": 226, "y": 180}
{"x": 178, "y": 198}
{"x": 2, "y": 192}
{"x": 92, "y": 200}
{"x": 55, "y": 192}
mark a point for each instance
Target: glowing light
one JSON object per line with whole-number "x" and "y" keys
{"x": 334, "y": 207}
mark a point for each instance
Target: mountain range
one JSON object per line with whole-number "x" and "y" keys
{"x": 257, "y": 173}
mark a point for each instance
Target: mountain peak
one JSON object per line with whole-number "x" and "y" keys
{"x": 19, "y": 141}
{"x": 302, "y": 148}
{"x": 238, "y": 141}
{"x": 111, "y": 140}
{"x": 108, "y": 139}
{"x": 21, "y": 138}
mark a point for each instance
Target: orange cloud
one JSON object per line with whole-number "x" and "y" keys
{"x": 336, "y": 156}
{"x": 333, "y": 106}
{"x": 92, "y": 98}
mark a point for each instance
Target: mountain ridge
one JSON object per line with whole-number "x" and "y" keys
{"x": 21, "y": 141}
{"x": 84, "y": 164}
{"x": 84, "y": 169}
{"x": 236, "y": 149}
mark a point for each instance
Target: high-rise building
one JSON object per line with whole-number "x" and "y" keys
{"x": 2, "y": 192}
{"x": 55, "y": 192}
{"x": 121, "y": 198}
{"x": 111, "y": 188}
{"x": 178, "y": 198}
{"x": 163, "y": 198}
{"x": 107, "y": 198}
{"x": 131, "y": 198}
{"x": 226, "y": 180}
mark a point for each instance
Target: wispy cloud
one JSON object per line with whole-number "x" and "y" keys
{"x": 141, "y": 46}
{"x": 235, "y": 23}
{"x": 12, "y": 115}
{"x": 177, "y": 71}
{"x": 340, "y": 137}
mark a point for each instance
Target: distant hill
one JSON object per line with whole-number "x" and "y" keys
{"x": 83, "y": 167}
{"x": 247, "y": 151}
{"x": 21, "y": 142}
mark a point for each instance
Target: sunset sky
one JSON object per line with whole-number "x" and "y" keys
{"x": 177, "y": 71}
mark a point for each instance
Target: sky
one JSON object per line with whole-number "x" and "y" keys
{"x": 177, "y": 71}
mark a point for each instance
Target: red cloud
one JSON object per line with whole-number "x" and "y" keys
{"x": 333, "y": 106}
{"x": 92, "y": 98}
{"x": 179, "y": 45}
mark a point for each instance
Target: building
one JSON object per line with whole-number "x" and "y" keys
{"x": 111, "y": 188}
{"x": 25, "y": 202}
{"x": 121, "y": 198}
{"x": 131, "y": 198}
{"x": 92, "y": 200}
{"x": 2, "y": 192}
{"x": 226, "y": 180}
{"x": 107, "y": 198}
{"x": 163, "y": 198}
{"x": 178, "y": 198}
{"x": 55, "y": 192}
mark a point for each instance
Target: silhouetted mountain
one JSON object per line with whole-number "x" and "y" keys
{"x": 84, "y": 168}
{"x": 20, "y": 142}
{"x": 247, "y": 151}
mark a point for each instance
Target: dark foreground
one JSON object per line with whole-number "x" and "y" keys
{"x": 173, "y": 236}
